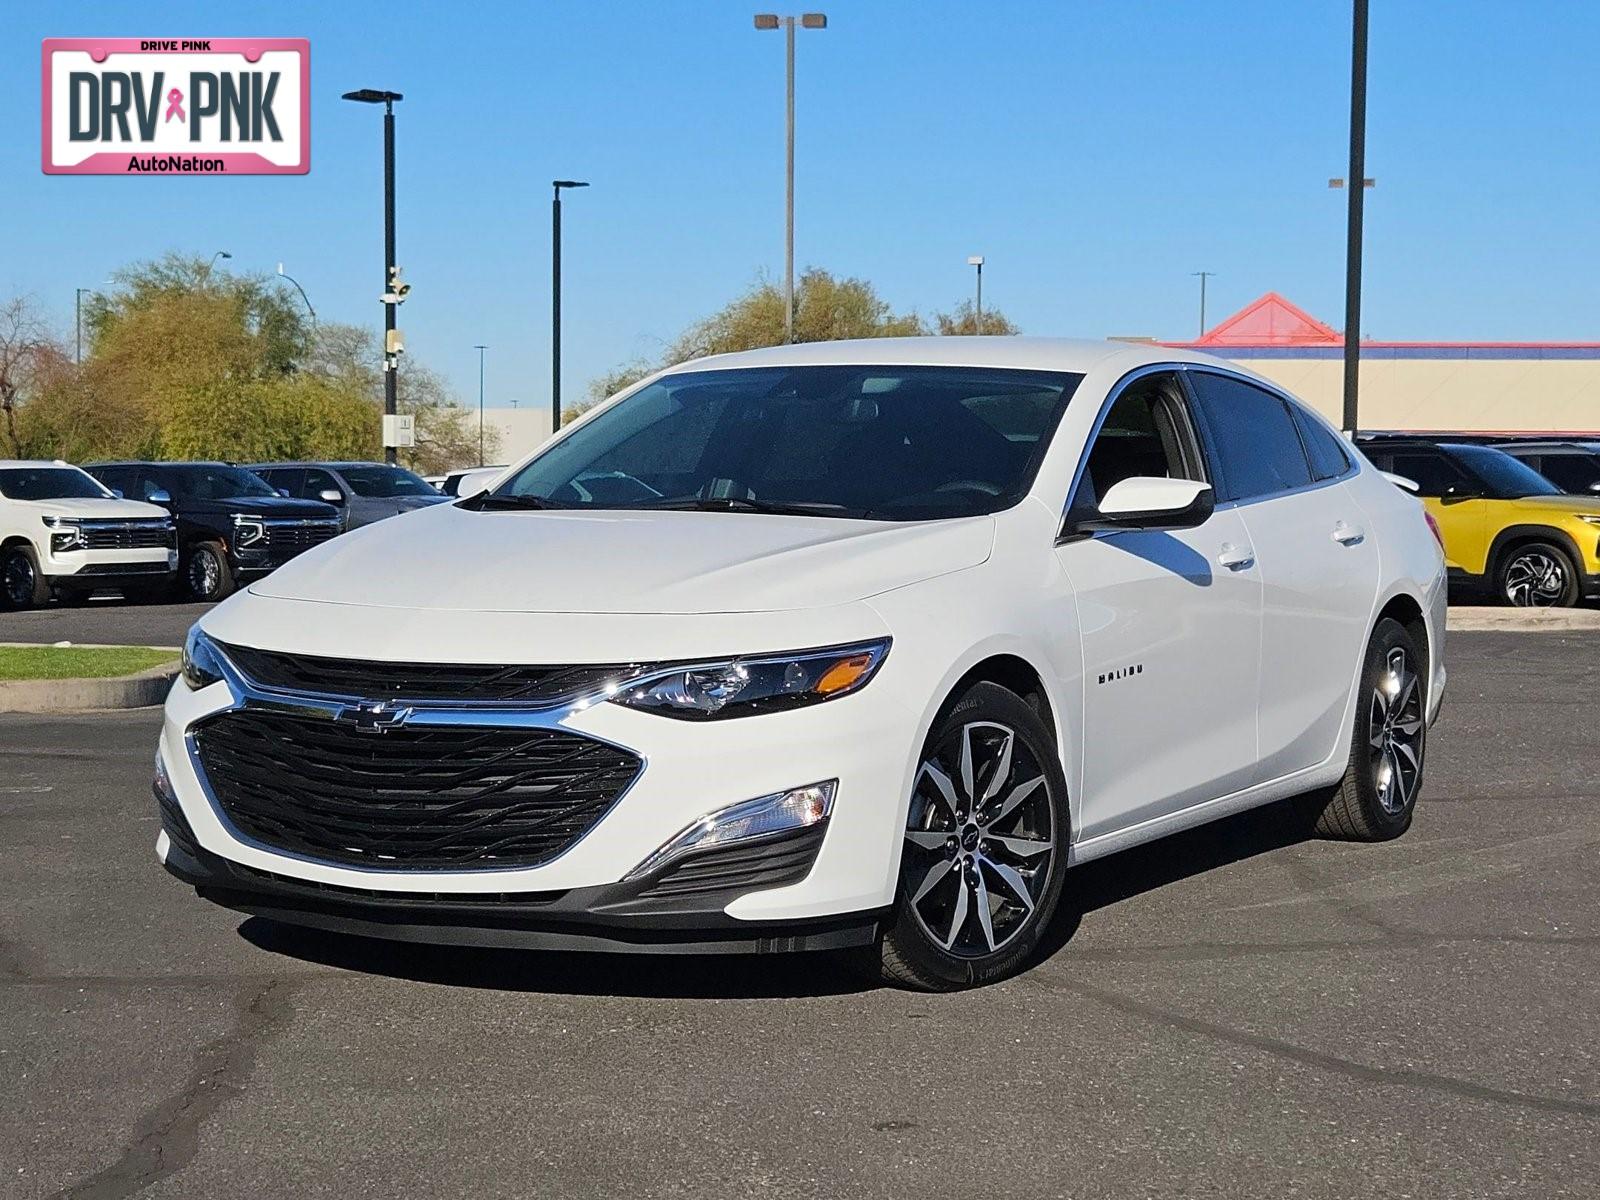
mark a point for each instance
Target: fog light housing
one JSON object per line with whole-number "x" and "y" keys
{"x": 163, "y": 781}
{"x": 781, "y": 812}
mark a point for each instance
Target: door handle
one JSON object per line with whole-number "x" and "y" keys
{"x": 1348, "y": 535}
{"x": 1234, "y": 558}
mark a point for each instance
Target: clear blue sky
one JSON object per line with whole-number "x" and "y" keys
{"x": 1096, "y": 153}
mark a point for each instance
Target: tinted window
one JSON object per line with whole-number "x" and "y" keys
{"x": 383, "y": 483}
{"x": 48, "y": 483}
{"x": 1431, "y": 471}
{"x": 1504, "y": 477}
{"x": 1253, "y": 438}
{"x": 1575, "y": 473}
{"x": 211, "y": 482}
{"x": 1325, "y": 449}
{"x": 1145, "y": 433}
{"x": 316, "y": 482}
{"x": 888, "y": 443}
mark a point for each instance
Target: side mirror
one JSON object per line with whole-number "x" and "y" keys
{"x": 117, "y": 492}
{"x": 159, "y": 496}
{"x": 331, "y": 496}
{"x": 1595, "y": 487}
{"x": 1401, "y": 482}
{"x": 1461, "y": 491}
{"x": 1150, "y": 503}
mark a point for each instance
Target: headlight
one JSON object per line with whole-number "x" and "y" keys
{"x": 63, "y": 535}
{"x": 247, "y": 531}
{"x": 200, "y": 665}
{"x": 743, "y": 687}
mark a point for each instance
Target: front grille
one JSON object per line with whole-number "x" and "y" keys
{"x": 127, "y": 535}
{"x": 410, "y": 796}
{"x": 287, "y": 535}
{"x": 772, "y": 862}
{"x": 421, "y": 681}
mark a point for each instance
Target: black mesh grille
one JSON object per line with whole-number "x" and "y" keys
{"x": 410, "y": 796}
{"x": 127, "y": 536}
{"x": 281, "y": 537}
{"x": 766, "y": 864}
{"x": 421, "y": 681}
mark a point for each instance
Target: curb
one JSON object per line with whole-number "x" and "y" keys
{"x": 75, "y": 695}
{"x": 1521, "y": 620}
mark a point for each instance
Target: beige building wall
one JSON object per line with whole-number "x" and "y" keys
{"x": 521, "y": 430}
{"x": 1458, "y": 394}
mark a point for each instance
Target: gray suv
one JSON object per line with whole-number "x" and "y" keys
{"x": 363, "y": 492}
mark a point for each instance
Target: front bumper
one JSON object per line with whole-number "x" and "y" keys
{"x": 866, "y": 741}
{"x": 108, "y": 567}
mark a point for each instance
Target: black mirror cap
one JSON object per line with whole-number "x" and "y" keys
{"x": 1197, "y": 512}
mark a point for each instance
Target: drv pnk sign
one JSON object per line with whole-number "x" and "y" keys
{"x": 170, "y": 106}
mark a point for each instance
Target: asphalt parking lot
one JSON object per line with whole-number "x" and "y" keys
{"x": 1237, "y": 1012}
{"x": 104, "y": 621}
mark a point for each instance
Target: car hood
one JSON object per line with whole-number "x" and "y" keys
{"x": 407, "y": 503}
{"x": 262, "y": 506}
{"x": 105, "y": 509}
{"x": 451, "y": 558}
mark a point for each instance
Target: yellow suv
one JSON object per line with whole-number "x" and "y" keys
{"x": 1505, "y": 527}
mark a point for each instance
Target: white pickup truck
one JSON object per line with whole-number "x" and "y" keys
{"x": 62, "y": 532}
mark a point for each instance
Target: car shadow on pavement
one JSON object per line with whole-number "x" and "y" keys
{"x": 1093, "y": 886}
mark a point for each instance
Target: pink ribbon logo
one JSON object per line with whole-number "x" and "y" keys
{"x": 175, "y": 106}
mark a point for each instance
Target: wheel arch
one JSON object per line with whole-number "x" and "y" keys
{"x": 1017, "y": 675}
{"x": 1513, "y": 536}
{"x": 1406, "y": 609}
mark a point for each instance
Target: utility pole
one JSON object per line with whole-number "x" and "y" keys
{"x": 480, "y": 350}
{"x": 1204, "y": 275}
{"x": 976, "y": 260}
{"x": 555, "y": 299}
{"x": 1357, "y": 194}
{"x": 788, "y": 25}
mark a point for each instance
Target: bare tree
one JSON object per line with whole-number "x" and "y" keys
{"x": 28, "y": 356}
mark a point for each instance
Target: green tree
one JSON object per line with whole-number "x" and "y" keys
{"x": 962, "y": 321}
{"x": 32, "y": 361}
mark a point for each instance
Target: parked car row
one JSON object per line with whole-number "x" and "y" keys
{"x": 1519, "y": 518}
{"x": 197, "y": 529}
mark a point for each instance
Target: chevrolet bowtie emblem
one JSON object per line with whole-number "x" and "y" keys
{"x": 375, "y": 716}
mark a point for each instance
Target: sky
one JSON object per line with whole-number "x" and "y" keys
{"x": 1096, "y": 153}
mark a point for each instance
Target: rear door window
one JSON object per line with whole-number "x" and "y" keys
{"x": 1324, "y": 449}
{"x": 1257, "y": 448}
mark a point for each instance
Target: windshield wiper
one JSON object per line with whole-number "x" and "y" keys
{"x": 491, "y": 500}
{"x": 799, "y": 508}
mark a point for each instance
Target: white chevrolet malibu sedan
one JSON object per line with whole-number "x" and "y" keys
{"x": 848, "y": 645}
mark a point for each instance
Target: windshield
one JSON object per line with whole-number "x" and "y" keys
{"x": 1507, "y": 478}
{"x": 886, "y": 443}
{"x": 384, "y": 483}
{"x": 215, "y": 483}
{"x": 49, "y": 483}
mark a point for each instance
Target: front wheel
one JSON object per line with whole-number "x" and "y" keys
{"x": 1378, "y": 794}
{"x": 207, "y": 575}
{"x": 1539, "y": 575}
{"x": 22, "y": 585}
{"x": 985, "y": 847}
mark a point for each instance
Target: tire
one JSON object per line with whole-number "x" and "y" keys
{"x": 1537, "y": 575}
{"x": 206, "y": 573}
{"x": 1377, "y": 797}
{"x": 975, "y": 895}
{"x": 22, "y": 584}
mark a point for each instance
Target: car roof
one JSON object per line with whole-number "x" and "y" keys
{"x": 329, "y": 464}
{"x": 1552, "y": 447}
{"x": 1022, "y": 353}
{"x": 21, "y": 463}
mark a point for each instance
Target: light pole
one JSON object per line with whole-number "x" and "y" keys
{"x": 282, "y": 274}
{"x": 480, "y": 350}
{"x": 787, "y": 24}
{"x": 976, "y": 260}
{"x": 555, "y": 298}
{"x": 1204, "y": 275}
{"x": 1357, "y": 193}
{"x": 78, "y": 317}
{"x": 393, "y": 290}
{"x": 212, "y": 265}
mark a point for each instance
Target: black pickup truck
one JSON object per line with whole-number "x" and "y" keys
{"x": 231, "y": 524}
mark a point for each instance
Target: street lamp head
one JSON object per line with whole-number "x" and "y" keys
{"x": 372, "y": 96}
{"x": 558, "y": 184}
{"x": 766, "y": 20}
{"x": 814, "y": 20}
{"x": 223, "y": 254}
{"x": 974, "y": 260}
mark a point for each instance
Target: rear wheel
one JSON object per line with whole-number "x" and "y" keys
{"x": 207, "y": 575}
{"x": 1378, "y": 794}
{"x": 21, "y": 583}
{"x": 984, "y": 850}
{"x": 1538, "y": 575}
